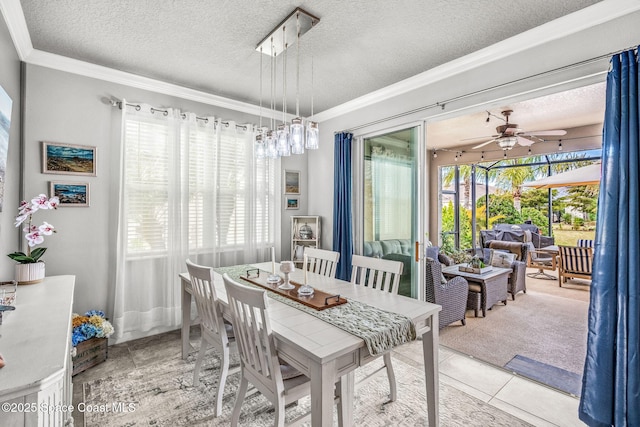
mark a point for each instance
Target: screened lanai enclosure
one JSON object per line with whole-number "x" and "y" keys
{"x": 475, "y": 197}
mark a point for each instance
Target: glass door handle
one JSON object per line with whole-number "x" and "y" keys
{"x": 417, "y": 252}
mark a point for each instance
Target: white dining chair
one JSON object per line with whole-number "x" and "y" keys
{"x": 279, "y": 382}
{"x": 376, "y": 273}
{"x": 383, "y": 275}
{"x": 321, "y": 261}
{"x": 214, "y": 330}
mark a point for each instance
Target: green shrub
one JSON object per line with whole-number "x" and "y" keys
{"x": 577, "y": 223}
{"x": 538, "y": 218}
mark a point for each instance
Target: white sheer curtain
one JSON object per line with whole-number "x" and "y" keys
{"x": 190, "y": 187}
{"x": 391, "y": 193}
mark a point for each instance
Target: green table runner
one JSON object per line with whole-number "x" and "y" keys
{"x": 381, "y": 330}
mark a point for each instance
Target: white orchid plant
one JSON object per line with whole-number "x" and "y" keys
{"x": 34, "y": 234}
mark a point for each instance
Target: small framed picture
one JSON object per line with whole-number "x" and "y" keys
{"x": 291, "y": 182}
{"x": 292, "y": 203}
{"x": 72, "y": 194}
{"x": 68, "y": 159}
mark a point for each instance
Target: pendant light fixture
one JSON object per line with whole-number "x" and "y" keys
{"x": 260, "y": 146}
{"x": 297, "y": 124}
{"x": 286, "y": 139}
{"x": 284, "y": 145}
{"x": 271, "y": 138}
{"x": 313, "y": 134}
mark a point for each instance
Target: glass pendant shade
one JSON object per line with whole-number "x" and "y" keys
{"x": 507, "y": 143}
{"x": 312, "y": 136}
{"x": 260, "y": 150}
{"x": 297, "y": 136}
{"x": 283, "y": 140}
{"x": 271, "y": 145}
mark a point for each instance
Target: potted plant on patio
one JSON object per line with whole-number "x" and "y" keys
{"x": 476, "y": 266}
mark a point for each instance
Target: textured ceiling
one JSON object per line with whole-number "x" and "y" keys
{"x": 358, "y": 46}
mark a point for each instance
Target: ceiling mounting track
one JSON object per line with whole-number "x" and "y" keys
{"x": 274, "y": 42}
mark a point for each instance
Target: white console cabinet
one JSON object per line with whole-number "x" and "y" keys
{"x": 35, "y": 341}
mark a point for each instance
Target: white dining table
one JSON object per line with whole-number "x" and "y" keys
{"x": 324, "y": 352}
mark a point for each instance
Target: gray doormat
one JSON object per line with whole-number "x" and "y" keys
{"x": 553, "y": 376}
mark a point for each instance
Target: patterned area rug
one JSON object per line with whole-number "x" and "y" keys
{"x": 162, "y": 395}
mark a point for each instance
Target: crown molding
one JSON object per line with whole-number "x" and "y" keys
{"x": 17, "y": 25}
{"x": 63, "y": 63}
{"x": 591, "y": 16}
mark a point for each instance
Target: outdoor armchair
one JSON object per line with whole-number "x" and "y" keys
{"x": 451, "y": 295}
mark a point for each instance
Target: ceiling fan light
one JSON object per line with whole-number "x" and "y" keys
{"x": 508, "y": 142}
{"x": 312, "y": 136}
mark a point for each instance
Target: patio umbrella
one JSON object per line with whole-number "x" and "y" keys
{"x": 587, "y": 175}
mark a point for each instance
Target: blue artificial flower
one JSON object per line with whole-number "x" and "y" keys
{"x": 88, "y": 330}
{"x": 95, "y": 325}
{"x": 94, "y": 313}
{"x": 77, "y": 337}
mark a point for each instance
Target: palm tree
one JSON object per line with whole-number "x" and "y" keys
{"x": 511, "y": 179}
{"x": 465, "y": 177}
{"x": 574, "y": 161}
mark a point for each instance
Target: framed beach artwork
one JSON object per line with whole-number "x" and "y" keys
{"x": 292, "y": 203}
{"x": 5, "y": 124}
{"x": 291, "y": 182}
{"x": 68, "y": 159}
{"x": 72, "y": 194}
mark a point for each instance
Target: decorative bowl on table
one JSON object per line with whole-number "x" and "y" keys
{"x": 305, "y": 290}
{"x": 274, "y": 278}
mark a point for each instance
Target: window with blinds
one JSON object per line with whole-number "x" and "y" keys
{"x": 146, "y": 184}
{"x": 202, "y": 188}
{"x": 232, "y": 199}
{"x": 196, "y": 181}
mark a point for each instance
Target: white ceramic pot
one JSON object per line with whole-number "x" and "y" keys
{"x": 28, "y": 274}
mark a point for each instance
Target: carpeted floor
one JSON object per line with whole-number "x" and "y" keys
{"x": 548, "y": 325}
{"x": 161, "y": 394}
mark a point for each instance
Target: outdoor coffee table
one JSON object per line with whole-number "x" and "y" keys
{"x": 492, "y": 286}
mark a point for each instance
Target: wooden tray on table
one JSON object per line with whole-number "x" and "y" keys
{"x": 318, "y": 301}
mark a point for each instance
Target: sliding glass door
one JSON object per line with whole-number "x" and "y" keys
{"x": 390, "y": 201}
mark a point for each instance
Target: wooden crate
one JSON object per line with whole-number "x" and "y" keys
{"x": 475, "y": 270}
{"x": 89, "y": 353}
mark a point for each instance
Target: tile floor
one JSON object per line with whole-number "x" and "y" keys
{"x": 528, "y": 400}
{"x": 525, "y": 399}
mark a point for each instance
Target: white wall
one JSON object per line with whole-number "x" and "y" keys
{"x": 10, "y": 82}
{"x": 603, "y": 39}
{"x": 64, "y": 107}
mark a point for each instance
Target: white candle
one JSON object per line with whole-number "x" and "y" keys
{"x": 305, "y": 270}
{"x": 273, "y": 260}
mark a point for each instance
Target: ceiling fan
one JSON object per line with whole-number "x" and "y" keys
{"x": 509, "y": 135}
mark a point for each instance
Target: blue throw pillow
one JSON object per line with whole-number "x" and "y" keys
{"x": 432, "y": 252}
